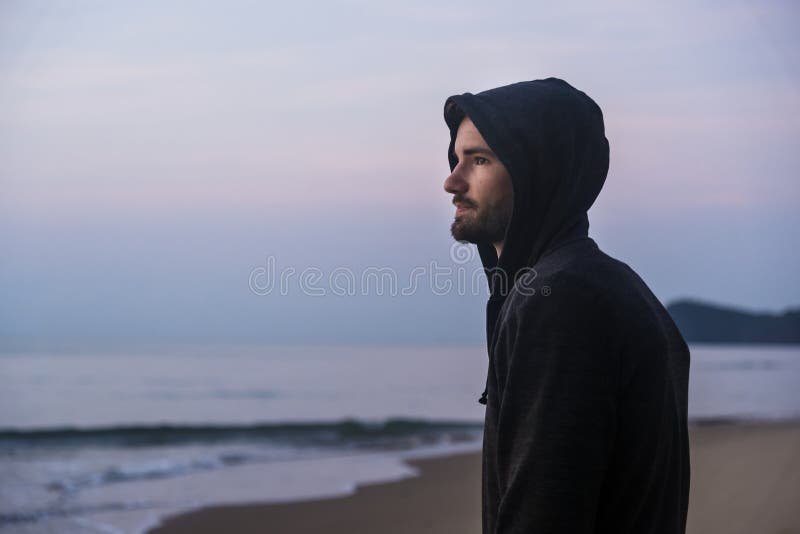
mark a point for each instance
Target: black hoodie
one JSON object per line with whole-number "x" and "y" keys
{"x": 586, "y": 392}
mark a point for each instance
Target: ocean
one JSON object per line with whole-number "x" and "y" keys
{"x": 113, "y": 441}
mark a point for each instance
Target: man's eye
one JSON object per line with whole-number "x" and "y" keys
{"x": 481, "y": 161}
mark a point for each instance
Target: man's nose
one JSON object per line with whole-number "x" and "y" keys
{"x": 455, "y": 184}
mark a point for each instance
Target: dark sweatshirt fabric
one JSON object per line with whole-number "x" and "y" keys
{"x": 586, "y": 391}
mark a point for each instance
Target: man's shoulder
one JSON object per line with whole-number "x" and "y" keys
{"x": 591, "y": 277}
{"x": 589, "y": 291}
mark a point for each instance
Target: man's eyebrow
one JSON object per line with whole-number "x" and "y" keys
{"x": 478, "y": 150}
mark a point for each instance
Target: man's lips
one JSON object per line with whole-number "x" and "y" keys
{"x": 461, "y": 208}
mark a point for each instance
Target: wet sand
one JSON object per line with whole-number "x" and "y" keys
{"x": 745, "y": 479}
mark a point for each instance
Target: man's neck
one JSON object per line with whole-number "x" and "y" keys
{"x": 499, "y": 248}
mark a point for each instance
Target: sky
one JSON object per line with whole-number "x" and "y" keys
{"x": 159, "y": 157}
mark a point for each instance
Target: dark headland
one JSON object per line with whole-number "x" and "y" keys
{"x": 703, "y": 322}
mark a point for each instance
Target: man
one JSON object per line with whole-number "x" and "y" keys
{"x": 586, "y": 393}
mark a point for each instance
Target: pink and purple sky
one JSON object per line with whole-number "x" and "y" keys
{"x": 155, "y": 153}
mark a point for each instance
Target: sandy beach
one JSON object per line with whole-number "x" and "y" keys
{"x": 745, "y": 479}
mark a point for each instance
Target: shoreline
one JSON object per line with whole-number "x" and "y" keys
{"x": 745, "y": 478}
{"x": 367, "y": 509}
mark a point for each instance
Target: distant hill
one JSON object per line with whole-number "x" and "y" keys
{"x": 711, "y": 323}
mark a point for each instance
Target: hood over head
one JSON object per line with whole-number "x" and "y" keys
{"x": 551, "y": 139}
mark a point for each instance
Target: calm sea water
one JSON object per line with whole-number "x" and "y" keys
{"x": 111, "y": 442}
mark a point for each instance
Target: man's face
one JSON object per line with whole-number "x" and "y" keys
{"x": 482, "y": 190}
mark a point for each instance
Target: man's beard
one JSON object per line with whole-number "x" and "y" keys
{"x": 482, "y": 225}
